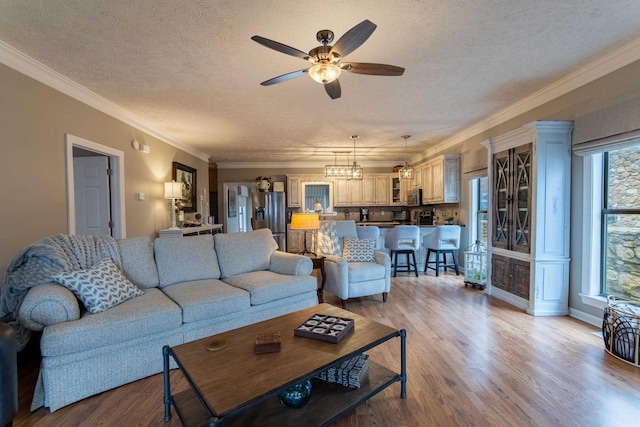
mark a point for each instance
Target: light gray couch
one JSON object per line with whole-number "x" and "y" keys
{"x": 193, "y": 287}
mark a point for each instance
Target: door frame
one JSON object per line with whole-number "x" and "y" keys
{"x": 117, "y": 183}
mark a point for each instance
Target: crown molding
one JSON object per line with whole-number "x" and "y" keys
{"x": 604, "y": 65}
{"x": 294, "y": 165}
{"x": 13, "y": 58}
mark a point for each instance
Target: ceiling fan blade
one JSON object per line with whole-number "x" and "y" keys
{"x": 372, "y": 69}
{"x": 352, "y": 39}
{"x": 284, "y": 77}
{"x": 281, "y": 47}
{"x": 333, "y": 89}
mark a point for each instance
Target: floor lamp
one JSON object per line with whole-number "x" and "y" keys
{"x": 306, "y": 222}
{"x": 173, "y": 191}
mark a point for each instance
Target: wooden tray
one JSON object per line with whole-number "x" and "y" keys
{"x": 325, "y": 328}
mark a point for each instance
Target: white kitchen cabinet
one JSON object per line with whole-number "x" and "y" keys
{"x": 528, "y": 253}
{"x": 348, "y": 192}
{"x": 375, "y": 190}
{"x": 293, "y": 192}
{"x": 441, "y": 180}
{"x": 398, "y": 190}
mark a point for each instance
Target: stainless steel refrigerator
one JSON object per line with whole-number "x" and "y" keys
{"x": 269, "y": 209}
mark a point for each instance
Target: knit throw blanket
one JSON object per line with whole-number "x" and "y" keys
{"x": 37, "y": 264}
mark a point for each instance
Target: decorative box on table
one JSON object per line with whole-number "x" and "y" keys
{"x": 325, "y": 328}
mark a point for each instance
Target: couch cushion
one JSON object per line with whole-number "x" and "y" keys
{"x": 358, "y": 250}
{"x": 206, "y": 299}
{"x": 183, "y": 259}
{"x": 147, "y": 314}
{"x": 138, "y": 263}
{"x": 99, "y": 287}
{"x": 365, "y": 271}
{"x": 240, "y": 253}
{"x": 266, "y": 286}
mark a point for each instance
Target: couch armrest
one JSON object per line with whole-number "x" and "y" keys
{"x": 46, "y": 305}
{"x": 293, "y": 264}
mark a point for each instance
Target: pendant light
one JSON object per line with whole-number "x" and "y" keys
{"x": 335, "y": 170}
{"x": 356, "y": 169}
{"x": 406, "y": 173}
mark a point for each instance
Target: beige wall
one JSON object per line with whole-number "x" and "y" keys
{"x": 33, "y": 122}
{"x": 34, "y": 119}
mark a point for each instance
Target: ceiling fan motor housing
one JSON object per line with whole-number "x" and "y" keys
{"x": 324, "y": 36}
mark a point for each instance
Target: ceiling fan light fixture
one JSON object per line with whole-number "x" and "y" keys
{"x": 324, "y": 72}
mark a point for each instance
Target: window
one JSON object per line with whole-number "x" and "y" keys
{"x": 620, "y": 221}
{"x": 482, "y": 212}
{"x": 478, "y": 210}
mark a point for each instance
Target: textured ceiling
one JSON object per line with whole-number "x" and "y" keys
{"x": 190, "y": 70}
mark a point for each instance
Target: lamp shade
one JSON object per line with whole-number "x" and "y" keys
{"x": 173, "y": 190}
{"x": 305, "y": 221}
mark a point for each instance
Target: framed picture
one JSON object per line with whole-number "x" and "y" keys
{"x": 187, "y": 175}
{"x": 233, "y": 203}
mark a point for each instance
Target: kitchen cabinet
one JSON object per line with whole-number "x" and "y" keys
{"x": 375, "y": 190}
{"x": 530, "y": 176}
{"x": 398, "y": 190}
{"x": 348, "y": 192}
{"x": 441, "y": 180}
{"x": 295, "y": 240}
{"x": 293, "y": 192}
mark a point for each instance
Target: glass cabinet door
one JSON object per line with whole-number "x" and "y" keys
{"x": 501, "y": 199}
{"x": 521, "y": 240}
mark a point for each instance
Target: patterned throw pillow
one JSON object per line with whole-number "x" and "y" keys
{"x": 359, "y": 250}
{"x": 328, "y": 242}
{"x": 100, "y": 287}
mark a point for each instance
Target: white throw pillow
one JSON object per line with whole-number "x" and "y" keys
{"x": 100, "y": 287}
{"x": 359, "y": 250}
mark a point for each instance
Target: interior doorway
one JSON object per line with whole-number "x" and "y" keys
{"x": 113, "y": 206}
{"x": 92, "y": 192}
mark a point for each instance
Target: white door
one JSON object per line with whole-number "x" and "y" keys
{"x": 92, "y": 200}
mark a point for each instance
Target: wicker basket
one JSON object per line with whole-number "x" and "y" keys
{"x": 621, "y": 329}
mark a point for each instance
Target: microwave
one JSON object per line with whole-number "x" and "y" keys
{"x": 414, "y": 197}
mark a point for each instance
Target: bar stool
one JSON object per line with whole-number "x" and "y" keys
{"x": 445, "y": 239}
{"x": 403, "y": 239}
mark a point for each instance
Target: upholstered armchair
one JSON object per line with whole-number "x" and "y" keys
{"x": 354, "y": 263}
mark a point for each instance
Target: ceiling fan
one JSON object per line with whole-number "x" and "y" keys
{"x": 326, "y": 58}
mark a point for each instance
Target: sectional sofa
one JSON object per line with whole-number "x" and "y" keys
{"x": 185, "y": 289}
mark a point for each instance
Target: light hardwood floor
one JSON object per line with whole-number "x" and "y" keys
{"x": 472, "y": 361}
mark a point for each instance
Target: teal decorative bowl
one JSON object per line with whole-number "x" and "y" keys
{"x": 296, "y": 396}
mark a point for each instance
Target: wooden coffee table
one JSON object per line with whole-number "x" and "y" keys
{"x": 236, "y": 387}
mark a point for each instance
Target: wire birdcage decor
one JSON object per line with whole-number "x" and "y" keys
{"x": 475, "y": 266}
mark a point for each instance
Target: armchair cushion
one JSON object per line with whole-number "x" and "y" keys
{"x": 359, "y": 250}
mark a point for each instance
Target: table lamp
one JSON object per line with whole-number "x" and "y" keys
{"x": 306, "y": 222}
{"x": 173, "y": 191}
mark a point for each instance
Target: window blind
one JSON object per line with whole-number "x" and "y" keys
{"x": 612, "y": 126}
